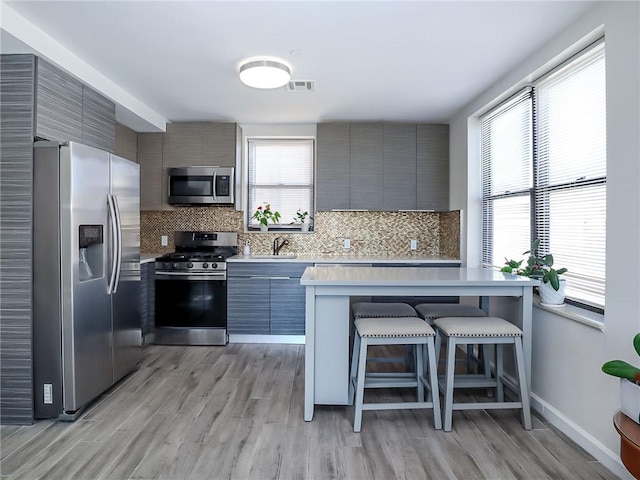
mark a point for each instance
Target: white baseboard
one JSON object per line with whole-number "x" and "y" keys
{"x": 285, "y": 339}
{"x": 602, "y": 454}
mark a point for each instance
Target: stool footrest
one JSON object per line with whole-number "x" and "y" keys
{"x": 397, "y": 406}
{"x": 483, "y": 405}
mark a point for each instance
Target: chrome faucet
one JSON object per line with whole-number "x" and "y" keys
{"x": 278, "y": 246}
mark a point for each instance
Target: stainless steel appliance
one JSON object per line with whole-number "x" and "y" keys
{"x": 86, "y": 275}
{"x": 201, "y": 185}
{"x": 191, "y": 289}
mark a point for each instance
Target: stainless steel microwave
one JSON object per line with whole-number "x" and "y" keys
{"x": 201, "y": 185}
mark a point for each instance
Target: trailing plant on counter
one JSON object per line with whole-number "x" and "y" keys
{"x": 537, "y": 267}
{"x": 622, "y": 369}
{"x": 264, "y": 214}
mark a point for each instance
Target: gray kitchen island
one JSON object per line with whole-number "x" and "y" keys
{"x": 327, "y": 316}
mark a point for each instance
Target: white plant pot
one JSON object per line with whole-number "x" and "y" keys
{"x": 549, "y": 296}
{"x": 304, "y": 227}
{"x": 630, "y": 399}
{"x": 264, "y": 228}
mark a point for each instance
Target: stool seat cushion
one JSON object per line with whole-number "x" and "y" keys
{"x": 431, "y": 311}
{"x": 393, "y": 327}
{"x": 369, "y": 309}
{"x": 477, "y": 327}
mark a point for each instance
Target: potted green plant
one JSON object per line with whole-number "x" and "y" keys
{"x": 301, "y": 218}
{"x": 629, "y": 383}
{"x": 540, "y": 267}
{"x": 264, "y": 214}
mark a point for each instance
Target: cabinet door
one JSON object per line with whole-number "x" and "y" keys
{"x": 58, "y": 104}
{"x": 151, "y": 178}
{"x": 399, "y": 180}
{"x": 332, "y": 166}
{"x": 287, "y": 307}
{"x": 98, "y": 120}
{"x": 433, "y": 167}
{"x": 219, "y": 144}
{"x": 147, "y": 297}
{"x": 248, "y": 302}
{"x": 181, "y": 147}
{"x": 366, "y": 167}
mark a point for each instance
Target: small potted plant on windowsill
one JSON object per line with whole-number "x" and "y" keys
{"x": 629, "y": 383}
{"x": 303, "y": 219}
{"x": 264, "y": 214}
{"x": 552, "y": 287}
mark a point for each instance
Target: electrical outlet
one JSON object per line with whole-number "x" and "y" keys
{"x": 164, "y": 240}
{"x": 48, "y": 393}
{"x": 347, "y": 243}
{"x": 414, "y": 244}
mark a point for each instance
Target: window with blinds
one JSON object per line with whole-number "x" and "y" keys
{"x": 280, "y": 173}
{"x": 544, "y": 174}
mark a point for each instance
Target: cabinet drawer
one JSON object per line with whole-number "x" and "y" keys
{"x": 262, "y": 269}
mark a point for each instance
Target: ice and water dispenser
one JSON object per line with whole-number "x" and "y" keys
{"x": 91, "y": 252}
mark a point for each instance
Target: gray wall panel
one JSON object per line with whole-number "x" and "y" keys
{"x": 151, "y": 171}
{"x": 16, "y": 164}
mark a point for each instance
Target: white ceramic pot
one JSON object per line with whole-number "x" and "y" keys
{"x": 264, "y": 228}
{"x": 630, "y": 399}
{"x": 304, "y": 227}
{"x": 549, "y": 296}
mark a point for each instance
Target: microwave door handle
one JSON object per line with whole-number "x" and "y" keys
{"x": 215, "y": 181}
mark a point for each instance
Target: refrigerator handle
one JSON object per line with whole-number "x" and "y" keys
{"x": 113, "y": 244}
{"x": 118, "y": 244}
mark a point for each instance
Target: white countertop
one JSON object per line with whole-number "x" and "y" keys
{"x": 148, "y": 257}
{"x": 355, "y": 259}
{"x": 413, "y": 277}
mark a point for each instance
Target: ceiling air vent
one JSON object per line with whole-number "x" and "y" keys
{"x": 301, "y": 86}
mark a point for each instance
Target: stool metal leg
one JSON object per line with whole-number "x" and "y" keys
{"x": 362, "y": 367}
{"x": 354, "y": 367}
{"x": 432, "y": 366}
{"x": 419, "y": 369}
{"x": 448, "y": 386}
{"x": 522, "y": 381}
{"x": 499, "y": 371}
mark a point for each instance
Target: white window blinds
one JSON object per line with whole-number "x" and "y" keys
{"x": 280, "y": 173}
{"x": 544, "y": 174}
{"x": 571, "y": 190}
{"x": 507, "y": 179}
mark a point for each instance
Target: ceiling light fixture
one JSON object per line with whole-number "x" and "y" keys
{"x": 264, "y": 73}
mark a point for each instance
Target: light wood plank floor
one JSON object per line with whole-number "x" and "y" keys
{"x": 236, "y": 412}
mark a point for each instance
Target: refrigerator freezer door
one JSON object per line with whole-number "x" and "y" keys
{"x": 126, "y": 317}
{"x": 86, "y": 319}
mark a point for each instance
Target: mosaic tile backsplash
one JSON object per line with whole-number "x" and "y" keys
{"x": 371, "y": 233}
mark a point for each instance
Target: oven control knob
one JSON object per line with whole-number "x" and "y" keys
{"x": 175, "y": 266}
{"x": 205, "y": 265}
{"x": 189, "y": 265}
{"x": 214, "y": 265}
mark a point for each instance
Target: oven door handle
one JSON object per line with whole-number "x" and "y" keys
{"x": 190, "y": 276}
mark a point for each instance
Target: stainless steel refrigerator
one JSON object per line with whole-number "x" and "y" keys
{"x": 86, "y": 275}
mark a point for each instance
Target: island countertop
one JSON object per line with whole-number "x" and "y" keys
{"x": 319, "y": 258}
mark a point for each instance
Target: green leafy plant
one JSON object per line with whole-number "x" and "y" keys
{"x": 264, "y": 214}
{"x": 536, "y": 267}
{"x": 301, "y": 216}
{"x": 622, "y": 369}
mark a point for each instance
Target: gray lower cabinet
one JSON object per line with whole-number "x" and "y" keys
{"x": 265, "y": 298}
{"x": 147, "y": 297}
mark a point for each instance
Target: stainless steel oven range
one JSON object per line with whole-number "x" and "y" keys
{"x": 191, "y": 289}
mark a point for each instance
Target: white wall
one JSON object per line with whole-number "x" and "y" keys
{"x": 568, "y": 386}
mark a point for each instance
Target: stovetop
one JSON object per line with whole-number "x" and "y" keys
{"x": 199, "y": 252}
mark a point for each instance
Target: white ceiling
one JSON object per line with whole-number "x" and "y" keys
{"x": 418, "y": 61}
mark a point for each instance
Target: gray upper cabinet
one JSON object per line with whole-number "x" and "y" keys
{"x": 58, "y": 104}
{"x": 65, "y": 109}
{"x": 366, "y": 166}
{"x": 151, "y": 178}
{"x": 332, "y": 166}
{"x": 219, "y": 144}
{"x": 433, "y": 167}
{"x": 399, "y": 179}
{"x": 388, "y": 167}
{"x": 182, "y": 145}
{"x": 98, "y": 120}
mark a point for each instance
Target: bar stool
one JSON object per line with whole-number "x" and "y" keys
{"x": 394, "y": 331}
{"x": 431, "y": 311}
{"x": 386, "y": 310}
{"x": 486, "y": 331}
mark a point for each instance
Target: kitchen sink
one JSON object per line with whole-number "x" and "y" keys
{"x": 275, "y": 257}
